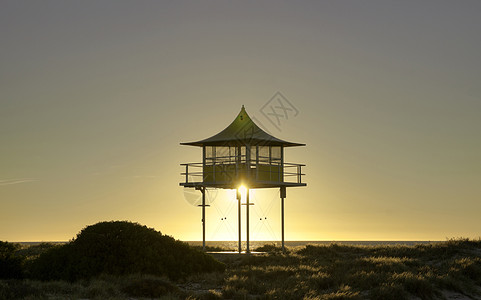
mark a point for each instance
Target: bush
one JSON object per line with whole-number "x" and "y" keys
{"x": 270, "y": 248}
{"x": 150, "y": 287}
{"x": 19, "y": 289}
{"x": 33, "y": 251}
{"x": 119, "y": 248}
{"x": 10, "y": 265}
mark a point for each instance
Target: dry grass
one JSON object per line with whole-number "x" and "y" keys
{"x": 359, "y": 272}
{"x": 429, "y": 271}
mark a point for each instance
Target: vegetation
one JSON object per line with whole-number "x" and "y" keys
{"x": 360, "y": 272}
{"x": 120, "y": 248}
{"x": 10, "y": 264}
{"x": 269, "y": 248}
{"x": 214, "y": 249}
{"x": 426, "y": 271}
{"x": 102, "y": 287}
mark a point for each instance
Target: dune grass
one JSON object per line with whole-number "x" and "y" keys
{"x": 359, "y": 272}
{"x": 333, "y": 271}
{"x": 103, "y": 287}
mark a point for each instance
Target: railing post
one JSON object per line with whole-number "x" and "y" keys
{"x": 279, "y": 168}
{"x": 298, "y": 173}
{"x": 186, "y": 173}
{"x": 257, "y": 162}
{"x": 203, "y": 218}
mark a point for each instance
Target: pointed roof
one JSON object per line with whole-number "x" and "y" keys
{"x": 242, "y": 131}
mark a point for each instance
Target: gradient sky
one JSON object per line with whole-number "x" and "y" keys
{"x": 95, "y": 97}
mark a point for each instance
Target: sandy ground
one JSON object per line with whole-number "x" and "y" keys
{"x": 455, "y": 295}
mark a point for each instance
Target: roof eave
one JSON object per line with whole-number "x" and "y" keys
{"x": 192, "y": 144}
{"x": 294, "y": 145}
{"x": 234, "y": 143}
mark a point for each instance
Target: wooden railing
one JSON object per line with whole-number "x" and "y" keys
{"x": 223, "y": 172}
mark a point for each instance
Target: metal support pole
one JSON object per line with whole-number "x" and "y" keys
{"x": 282, "y": 223}
{"x": 283, "y": 195}
{"x": 239, "y": 197}
{"x": 203, "y": 218}
{"x": 247, "y": 221}
{"x": 203, "y": 205}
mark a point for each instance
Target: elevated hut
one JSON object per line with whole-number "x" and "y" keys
{"x": 242, "y": 155}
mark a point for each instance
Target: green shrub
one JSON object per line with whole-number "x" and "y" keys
{"x": 414, "y": 284}
{"x": 10, "y": 265}
{"x": 388, "y": 292}
{"x": 118, "y": 248}
{"x": 33, "y": 251}
{"x": 467, "y": 267}
{"x": 271, "y": 248}
{"x": 19, "y": 289}
{"x": 150, "y": 287}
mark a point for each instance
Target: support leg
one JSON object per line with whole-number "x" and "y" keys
{"x": 283, "y": 195}
{"x": 203, "y": 218}
{"x": 239, "y": 218}
{"x": 282, "y": 224}
{"x": 247, "y": 220}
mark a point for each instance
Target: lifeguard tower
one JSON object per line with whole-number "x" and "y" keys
{"x": 242, "y": 155}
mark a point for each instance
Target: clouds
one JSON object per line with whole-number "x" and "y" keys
{"x": 4, "y": 182}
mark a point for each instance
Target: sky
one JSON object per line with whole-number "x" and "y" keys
{"x": 95, "y": 97}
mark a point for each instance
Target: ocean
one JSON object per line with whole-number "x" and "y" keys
{"x": 291, "y": 244}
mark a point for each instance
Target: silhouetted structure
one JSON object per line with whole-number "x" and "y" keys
{"x": 242, "y": 155}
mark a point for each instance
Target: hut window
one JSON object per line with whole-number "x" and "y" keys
{"x": 253, "y": 154}
{"x": 222, "y": 154}
{"x": 209, "y": 155}
{"x": 243, "y": 153}
{"x": 264, "y": 154}
{"x": 229, "y": 154}
{"x": 276, "y": 154}
{"x": 269, "y": 154}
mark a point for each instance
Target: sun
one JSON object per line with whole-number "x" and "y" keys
{"x": 242, "y": 189}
